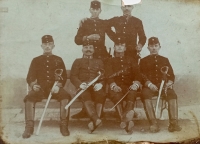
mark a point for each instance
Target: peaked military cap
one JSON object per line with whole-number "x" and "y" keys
{"x": 95, "y": 4}
{"x": 47, "y": 39}
{"x": 153, "y": 40}
{"x": 87, "y": 42}
{"x": 119, "y": 39}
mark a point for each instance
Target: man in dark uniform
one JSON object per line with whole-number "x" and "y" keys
{"x": 41, "y": 78}
{"x": 83, "y": 71}
{"x": 152, "y": 76}
{"x": 127, "y": 80}
{"x": 131, "y": 28}
{"x": 94, "y": 29}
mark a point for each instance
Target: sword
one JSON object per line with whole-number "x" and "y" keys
{"x": 120, "y": 100}
{"x": 58, "y": 73}
{"x": 161, "y": 87}
{"x": 80, "y": 92}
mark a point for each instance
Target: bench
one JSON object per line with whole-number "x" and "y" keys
{"x": 108, "y": 104}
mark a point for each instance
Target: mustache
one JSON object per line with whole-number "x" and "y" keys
{"x": 88, "y": 51}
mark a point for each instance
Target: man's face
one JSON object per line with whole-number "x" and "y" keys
{"x": 127, "y": 9}
{"x": 88, "y": 50}
{"x": 95, "y": 12}
{"x": 48, "y": 47}
{"x": 154, "y": 48}
{"x": 120, "y": 48}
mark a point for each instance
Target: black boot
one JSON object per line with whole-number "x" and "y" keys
{"x": 173, "y": 116}
{"x": 64, "y": 118}
{"x": 96, "y": 121}
{"x": 151, "y": 116}
{"x": 128, "y": 117}
{"x": 99, "y": 109}
{"x": 29, "y": 118}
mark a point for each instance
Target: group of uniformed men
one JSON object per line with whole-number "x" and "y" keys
{"x": 121, "y": 73}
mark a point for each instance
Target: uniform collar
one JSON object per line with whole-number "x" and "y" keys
{"x": 88, "y": 57}
{"x": 97, "y": 18}
{"x": 154, "y": 55}
{"x": 47, "y": 54}
{"x": 127, "y": 17}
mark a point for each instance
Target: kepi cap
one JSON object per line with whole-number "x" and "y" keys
{"x": 95, "y": 4}
{"x": 47, "y": 39}
{"x": 153, "y": 41}
{"x": 87, "y": 42}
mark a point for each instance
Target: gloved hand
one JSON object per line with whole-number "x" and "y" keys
{"x": 138, "y": 47}
{"x": 36, "y": 87}
{"x": 56, "y": 89}
{"x": 117, "y": 89}
{"x": 83, "y": 86}
{"x": 82, "y": 21}
{"x": 169, "y": 85}
{"x": 97, "y": 86}
{"x": 153, "y": 87}
{"x": 94, "y": 37}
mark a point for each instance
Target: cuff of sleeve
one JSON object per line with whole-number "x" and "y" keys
{"x": 147, "y": 83}
{"x": 137, "y": 83}
{"x": 59, "y": 85}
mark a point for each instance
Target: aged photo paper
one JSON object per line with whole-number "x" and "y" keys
{"x": 175, "y": 23}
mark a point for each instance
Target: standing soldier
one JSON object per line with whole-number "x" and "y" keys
{"x": 94, "y": 29}
{"x": 131, "y": 28}
{"x": 152, "y": 76}
{"x": 83, "y": 71}
{"x": 41, "y": 77}
{"x": 127, "y": 80}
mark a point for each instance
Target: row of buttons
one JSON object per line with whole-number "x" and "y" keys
{"x": 47, "y": 67}
{"x": 124, "y": 28}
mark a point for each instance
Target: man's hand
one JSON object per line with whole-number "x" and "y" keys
{"x": 153, "y": 87}
{"x": 56, "y": 89}
{"x": 139, "y": 47}
{"x": 94, "y": 37}
{"x": 134, "y": 87}
{"x": 36, "y": 87}
{"x": 83, "y": 86}
{"x": 169, "y": 85}
{"x": 82, "y": 21}
{"x": 97, "y": 86}
{"x": 117, "y": 89}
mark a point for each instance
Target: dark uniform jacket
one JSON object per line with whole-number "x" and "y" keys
{"x": 128, "y": 67}
{"x": 85, "y": 70}
{"x": 150, "y": 67}
{"x": 42, "y": 71}
{"x": 130, "y": 29}
{"x": 94, "y": 26}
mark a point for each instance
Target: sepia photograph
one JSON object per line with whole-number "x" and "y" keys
{"x": 99, "y": 71}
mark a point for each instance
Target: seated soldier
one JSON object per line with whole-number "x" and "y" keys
{"x": 127, "y": 80}
{"x": 150, "y": 67}
{"x": 83, "y": 71}
{"x": 41, "y": 78}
